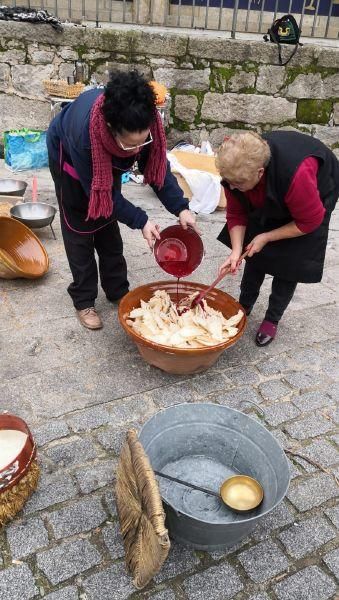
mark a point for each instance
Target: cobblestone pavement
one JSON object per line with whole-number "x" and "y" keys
{"x": 80, "y": 390}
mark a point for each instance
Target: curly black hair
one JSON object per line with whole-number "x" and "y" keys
{"x": 129, "y": 102}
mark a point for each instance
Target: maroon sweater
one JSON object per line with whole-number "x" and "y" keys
{"x": 302, "y": 199}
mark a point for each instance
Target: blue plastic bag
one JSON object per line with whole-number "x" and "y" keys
{"x": 25, "y": 149}
{"x": 125, "y": 177}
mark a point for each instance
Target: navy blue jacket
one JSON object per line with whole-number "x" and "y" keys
{"x": 71, "y": 128}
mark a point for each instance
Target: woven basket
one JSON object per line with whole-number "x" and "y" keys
{"x": 61, "y": 89}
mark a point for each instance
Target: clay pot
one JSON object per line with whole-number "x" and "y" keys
{"x": 180, "y": 361}
{"x": 19, "y": 471}
{"x": 21, "y": 252}
{"x": 11, "y": 473}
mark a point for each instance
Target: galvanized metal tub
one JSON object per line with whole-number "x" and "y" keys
{"x": 204, "y": 444}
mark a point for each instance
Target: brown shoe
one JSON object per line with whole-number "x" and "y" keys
{"x": 89, "y": 318}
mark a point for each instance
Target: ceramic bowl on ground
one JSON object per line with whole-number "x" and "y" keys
{"x": 180, "y": 361}
{"x": 19, "y": 471}
{"x": 21, "y": 252}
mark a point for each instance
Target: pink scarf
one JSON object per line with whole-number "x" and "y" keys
{"x": 104, "y": 146}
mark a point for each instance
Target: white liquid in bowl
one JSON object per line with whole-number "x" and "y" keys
{"x": 11, "y": 444}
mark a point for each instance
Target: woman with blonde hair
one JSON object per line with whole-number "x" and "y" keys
{"x": 281, "y": 189}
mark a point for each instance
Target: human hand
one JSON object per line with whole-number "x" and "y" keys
{"x": 187, "y": 219}
{"x": 257, "y": 244}
{"x": 231, "y": 261}
{"x": 151, "y": 233}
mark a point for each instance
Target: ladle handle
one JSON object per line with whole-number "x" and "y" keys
{"x": 190, "y": 485}
{"x": 216, "y": 281}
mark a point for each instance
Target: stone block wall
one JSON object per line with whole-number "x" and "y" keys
{"x": 216, "y": 84}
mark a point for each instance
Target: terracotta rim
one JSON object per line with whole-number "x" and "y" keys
{"x": 18, "y": 467}
{"x": 170, "y": 349}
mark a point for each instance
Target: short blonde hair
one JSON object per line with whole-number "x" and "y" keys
{"x": 241, "y": 154}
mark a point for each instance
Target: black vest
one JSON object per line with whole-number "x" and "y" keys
{"x": 288, "y": 150}
{"x": 296, "y": 259}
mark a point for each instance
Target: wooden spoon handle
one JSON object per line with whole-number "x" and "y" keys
{"x": 216, "y": 281}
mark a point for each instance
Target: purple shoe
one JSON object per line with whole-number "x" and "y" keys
{"x": 266, "y": 333}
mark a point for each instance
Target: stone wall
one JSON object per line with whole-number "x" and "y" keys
{"x": 216, "y": 84}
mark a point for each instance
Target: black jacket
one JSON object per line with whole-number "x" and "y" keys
{"x": 296, "y": 259}
{"x": 70, "y": 128}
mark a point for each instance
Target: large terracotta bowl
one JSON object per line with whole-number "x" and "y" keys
{"x": 21, "y": 252}
{"x": 180, "y": 361}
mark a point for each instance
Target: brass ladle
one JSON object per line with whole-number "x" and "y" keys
{"x": 240, "y": 493}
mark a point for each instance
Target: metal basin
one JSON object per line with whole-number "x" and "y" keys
{"x": 34, "y": 214}
{"x": 12, "y": 187}
{"x": 204, "y": 444}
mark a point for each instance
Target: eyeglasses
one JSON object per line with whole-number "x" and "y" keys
{"x": 250, "y": 179}
{"x": 149, "y": 141}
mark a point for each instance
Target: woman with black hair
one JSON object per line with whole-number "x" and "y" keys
{"x": 91, "y": 142}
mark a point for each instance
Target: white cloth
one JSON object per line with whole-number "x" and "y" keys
{"x": 205, "y": 187}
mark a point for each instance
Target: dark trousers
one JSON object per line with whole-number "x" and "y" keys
{"x": 80, "y": 250}
{"x": 281, "y": 293}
